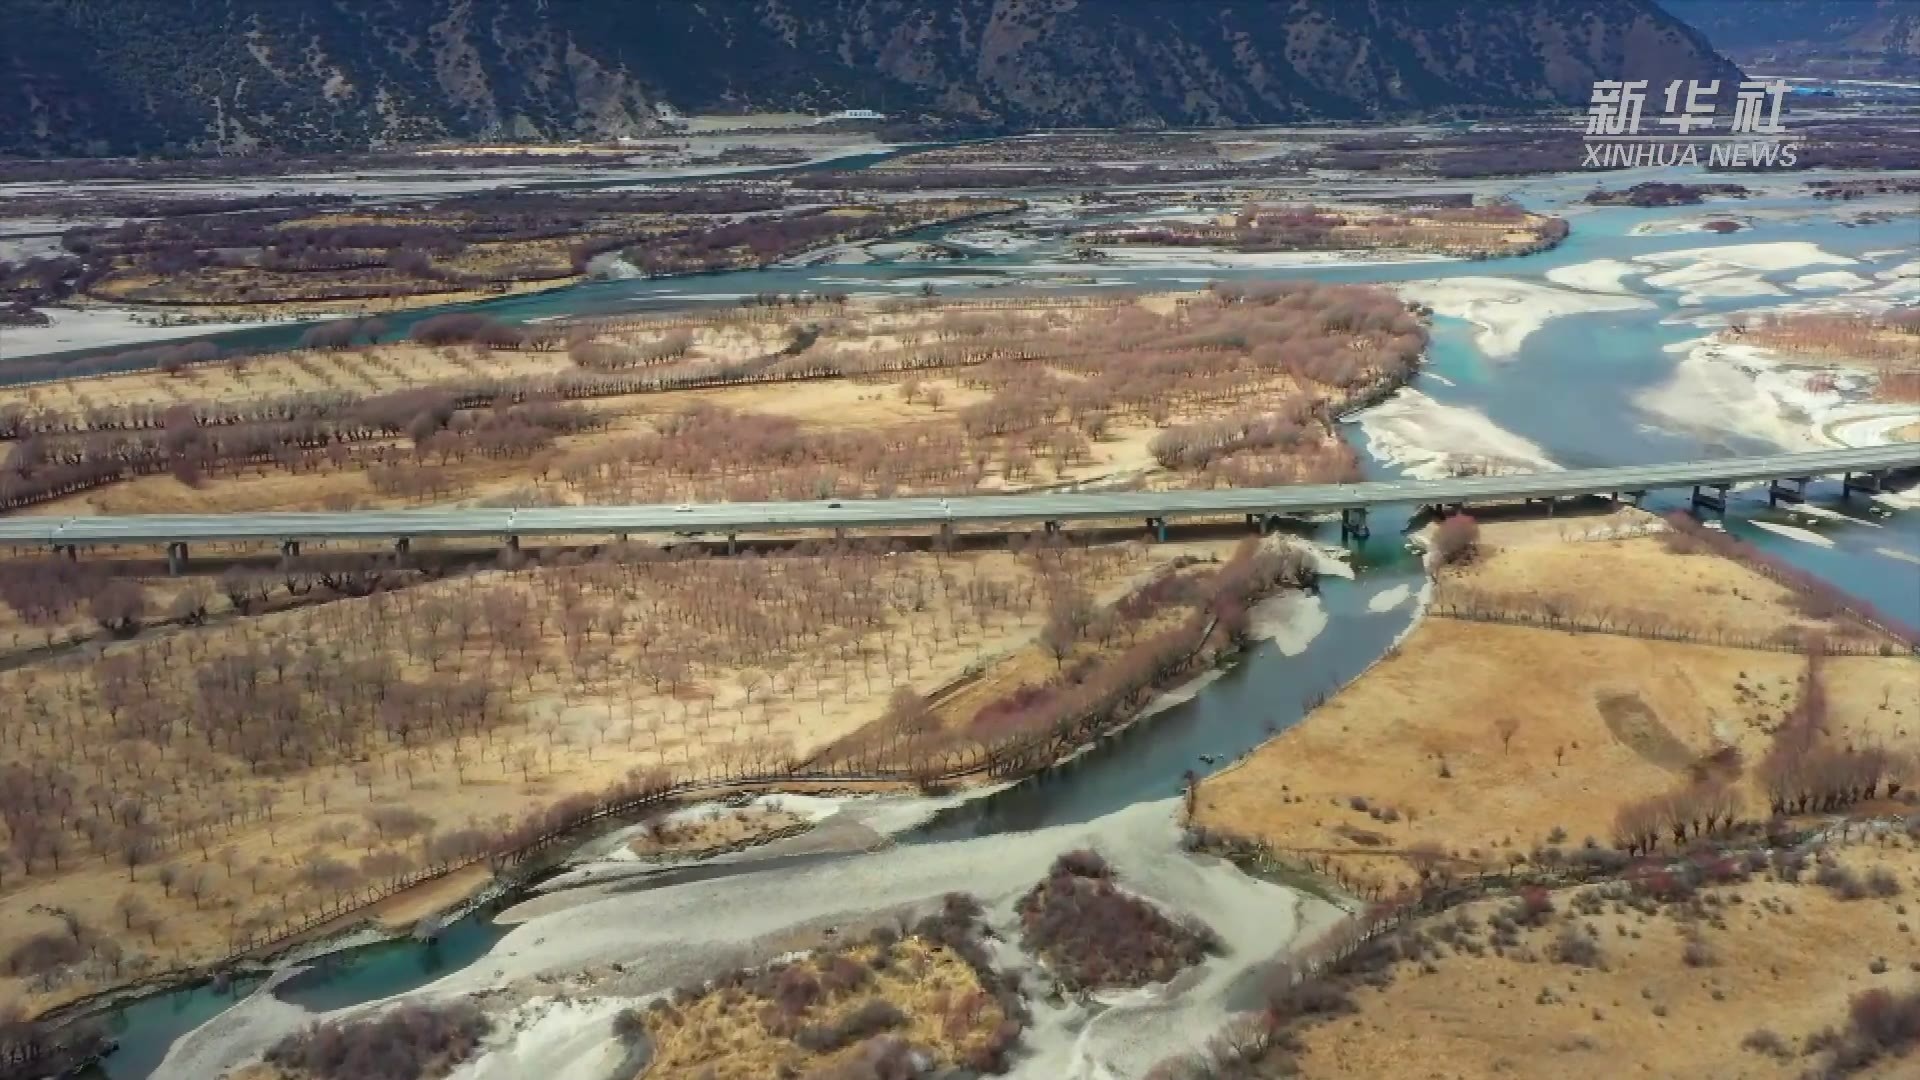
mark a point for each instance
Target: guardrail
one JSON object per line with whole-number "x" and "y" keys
{"x": 975, "y": 510}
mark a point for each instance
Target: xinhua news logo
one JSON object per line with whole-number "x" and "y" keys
{"x": 1756, "y": 137}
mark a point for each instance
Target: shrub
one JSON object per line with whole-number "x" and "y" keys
{"x": 1083, "y": 863}
{"x": 43, "y": 952}
{"x": 871, "y": 1018}
{"x": 1881, "y": 882}
{"x": 1767, "y": 1041}
{"x": 631, "y": 1024}
{"x": 1455, "y": 539}
{"x": 1844, "y": 882}
{"x": 1577, "y": 948}
{"x": 462, "y": 327}
{"x": 1880, "y": 1024}
{"x": 1094, "y": 934}
{"x": 1698, "y": 954}
{"x": 884, "y": 1057}
{"x": 843, "y": 973}
{"x": 403, "y": 1043}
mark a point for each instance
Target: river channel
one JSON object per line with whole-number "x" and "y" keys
{"x": 1571, "y": 387}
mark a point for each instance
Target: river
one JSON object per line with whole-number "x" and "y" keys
{"x": 1571, "y": 387}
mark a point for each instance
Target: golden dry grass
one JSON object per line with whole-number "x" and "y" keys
{"x": 723, "y": 829}
{"x": 1785, "y": 958}
{"x": 1598, "y": 721}
{"x": 1636, "y": 581}
{"x": 721, "y": 1036}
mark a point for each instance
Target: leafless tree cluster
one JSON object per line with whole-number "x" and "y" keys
{"x": 713, "y": 452}
{"x": 318, "y": 432}
{"x": 343, "y": 333}
{"x": 406, "y": 1042}
{"x": 1483, "y": 229}
{"x": 164, "y": 751}
{"x": 1455, "y": 539}
{"x": 50, "y": 592}
{"x": 759, "y": 241}
{"x": 604, "y": 356}
{"x": 1808, "y": 770}
{"x": 1892, "y": 336}
{"x": 1167, "y": 625}
{"x": 1698, "y": 809}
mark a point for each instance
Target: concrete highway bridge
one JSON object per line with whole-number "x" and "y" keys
{"x": 1786, "y": 475}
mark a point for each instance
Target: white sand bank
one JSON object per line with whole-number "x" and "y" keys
{"x": 1746, "y": 390}
{"x": 1430, "y": 440}
{"x": 1506, "y": 311}
{"x": 1767, "y": 257}
{"x": 670, "y": 936}
{"x": 551, "y": 1039}
{"x": 1598, "y": 275}
{"x": 1829, "y": 279}
{"x": 1388, "y": 599}
{"x": 1145, "y": 255}
{"x": 1290, "y": 620}
{"x": 1791, "y": 532}
{"x": 1699, "y": 281}
{"x": 75, "y": 329}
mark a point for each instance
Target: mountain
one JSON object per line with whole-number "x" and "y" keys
{"x": 236, "y": 75}
{"x": 1862, "y": 38}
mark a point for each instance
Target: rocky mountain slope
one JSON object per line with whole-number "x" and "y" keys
{"x": 1842, "y": 38}
{"x": 234, "y": 75}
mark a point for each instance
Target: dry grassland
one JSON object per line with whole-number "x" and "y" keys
{"x": 724, "y": 1034}
{"x": 1485, "y": 742}
{"x": 710, "y": 832}
{"x": 945, "y": 398}
{"x": 1672, "y": 993}
{"x": 384, "y": 731}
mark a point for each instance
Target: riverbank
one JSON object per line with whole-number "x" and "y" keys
{"x": 623, "y": 865}
{"x": 613, "y": 943}
{"x": 1427, "y": 440}
{"x": 1726, "y": 386}
{"x": 1434, "y": 759}
{"x": 1508, "y": 311}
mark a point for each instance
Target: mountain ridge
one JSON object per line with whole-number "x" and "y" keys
{"x": 227, "y": 76}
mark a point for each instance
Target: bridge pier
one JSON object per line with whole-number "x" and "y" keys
{"x": 1053, "y": 526}
{"x": 733, "y": 543}
{"x": 1778, "y": 493}
{"x": 513, "y": 542}
{"x": 1716, "y": 502}
{"x": 176, "y": 558}
{"x": 71, "y": 551}
{"x": 946, "y": 535}
{"x": 401, "y": 546}
{"x": 289, "y": 549}
{"x": 1865, "y": 483}
{"x": 1353, "y": 524}
{"x": 1159, "y": 527}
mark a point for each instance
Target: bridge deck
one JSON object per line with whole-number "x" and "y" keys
{"x": 972, "y": 509}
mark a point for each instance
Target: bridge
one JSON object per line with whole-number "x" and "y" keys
{"x": 1786, "y": 475}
